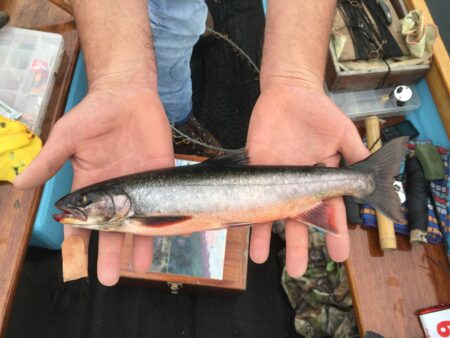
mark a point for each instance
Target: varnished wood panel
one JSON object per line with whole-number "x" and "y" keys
{"x": 388, "y": 287}
{"x": 18, "y": 208}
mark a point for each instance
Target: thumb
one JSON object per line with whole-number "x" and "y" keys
{"x": 58, "y": 148}
{"x": 352, "y": 147}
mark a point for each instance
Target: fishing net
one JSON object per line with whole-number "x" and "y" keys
{"x": 225, "y": 88}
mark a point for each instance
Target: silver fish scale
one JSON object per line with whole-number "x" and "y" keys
{"x": 238, "y": 189}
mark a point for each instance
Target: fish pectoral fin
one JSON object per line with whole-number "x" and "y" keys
{"x": 321, "y": 216}
{"x": 159, "y": 221}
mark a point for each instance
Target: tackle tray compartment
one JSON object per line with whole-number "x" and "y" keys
{"x": 28, "y": 63}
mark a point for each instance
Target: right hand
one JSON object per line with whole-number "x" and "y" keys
{"x": 112, "y": 132}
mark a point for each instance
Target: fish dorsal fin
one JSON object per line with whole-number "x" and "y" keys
{"x": 232, "y": 159}
{"x": 321, "y": 217}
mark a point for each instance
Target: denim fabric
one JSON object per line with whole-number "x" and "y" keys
{"x": 176, "y": 27}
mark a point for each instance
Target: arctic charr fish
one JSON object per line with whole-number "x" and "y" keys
{"x": 226, "y": 191}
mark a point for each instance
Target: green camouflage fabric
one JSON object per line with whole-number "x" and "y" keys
{"x": 321, "y": 297}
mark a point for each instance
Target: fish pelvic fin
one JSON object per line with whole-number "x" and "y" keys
{"x": 385, "y": 165}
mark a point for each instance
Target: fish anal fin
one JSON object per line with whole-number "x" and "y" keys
{"x": 160, "y": 221}
{"x": 320, "y": 216}
{"x": 238, "y": 224}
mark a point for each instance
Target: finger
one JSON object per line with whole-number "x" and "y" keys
{"x": 55, "y": 152}
{"x": 352, "y": 147}
{"x": 142, "y": 253}
{"x": 260, "y": 242}
{"x": 296, "y": 248}
{"x": 83, "y": 233}
{"x": 338, "y": 245}
{"x": 109, "y": 257}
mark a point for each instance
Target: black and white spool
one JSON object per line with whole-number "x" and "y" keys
{"x": 401, "y": 95}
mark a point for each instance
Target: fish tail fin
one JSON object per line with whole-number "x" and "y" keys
{"x": 385, "y": 165}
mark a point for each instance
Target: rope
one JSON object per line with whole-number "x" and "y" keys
{"x": 235, "y": 47}
{"x": 190, "y": 139}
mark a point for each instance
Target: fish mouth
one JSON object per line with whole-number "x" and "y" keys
{"x": 70, "y": 215}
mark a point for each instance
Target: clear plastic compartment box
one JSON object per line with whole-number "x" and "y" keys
{"x": 29, "y": 61}
{"x": 360, "y": 104}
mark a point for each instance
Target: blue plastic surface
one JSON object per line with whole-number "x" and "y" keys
{"x": 47, "y": 233}
{"x": 427, "y": 119}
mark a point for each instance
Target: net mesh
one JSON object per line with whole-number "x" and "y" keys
{"x": 225, "y": 88}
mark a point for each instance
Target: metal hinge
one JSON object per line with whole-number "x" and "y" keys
{"x": 174, "y": 287}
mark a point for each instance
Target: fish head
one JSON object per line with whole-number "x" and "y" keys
{"x": 92, "y": 206}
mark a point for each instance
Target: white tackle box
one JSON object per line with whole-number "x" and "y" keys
{"x": 29, "y": 61}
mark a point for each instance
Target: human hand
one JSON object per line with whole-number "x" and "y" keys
{"x": 294, "y": 125}
{"x": 112, "y": 132}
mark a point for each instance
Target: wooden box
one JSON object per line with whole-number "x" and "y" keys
{"x": 337, "y": 79}
{"x": 234, "y": 275}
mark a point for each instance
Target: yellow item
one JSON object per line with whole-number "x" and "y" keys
{"x": 14, "y": 140}
{"x": 11, "y": 126}
{"x": 18, "y": 147}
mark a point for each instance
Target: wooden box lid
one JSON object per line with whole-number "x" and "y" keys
{"x": 234, "y": 273}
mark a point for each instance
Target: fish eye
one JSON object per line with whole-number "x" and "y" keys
{"x": 84, "y": 200}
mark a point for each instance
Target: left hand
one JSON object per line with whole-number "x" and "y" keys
{"x": 294, "y": 125}
{"x": 112, "y": 132}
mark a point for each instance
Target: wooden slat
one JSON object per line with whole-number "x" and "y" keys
{"x": 438, "y": 78}
{"x": 18, "y": 208}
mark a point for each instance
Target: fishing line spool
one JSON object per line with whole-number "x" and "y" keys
{"x": 401, "y": 95}
{"x": 417, "y": 196}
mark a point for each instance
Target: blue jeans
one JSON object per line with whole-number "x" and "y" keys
{"x": 176, "y": 27}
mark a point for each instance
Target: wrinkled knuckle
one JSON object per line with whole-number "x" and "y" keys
{"x": 297, "y": 247}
